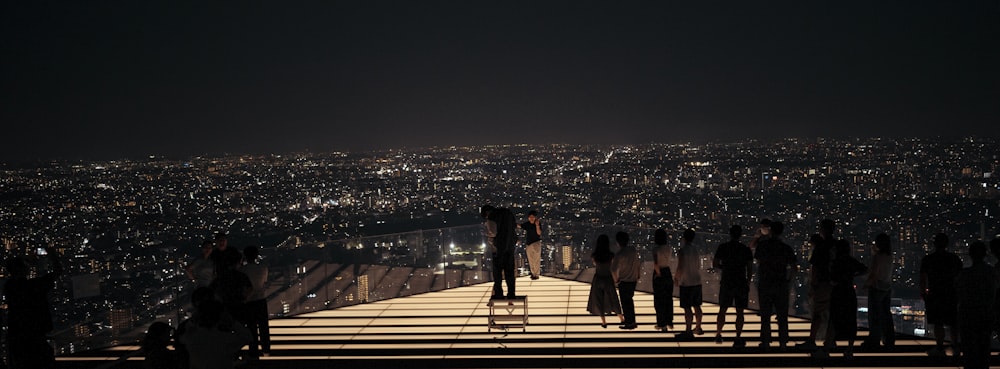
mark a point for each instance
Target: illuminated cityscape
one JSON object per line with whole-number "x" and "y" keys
{"x": 127, "y": 228}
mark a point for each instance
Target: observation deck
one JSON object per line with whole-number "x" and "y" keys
{"x": 419, "y": 299}
{"x": 448, "y": 329}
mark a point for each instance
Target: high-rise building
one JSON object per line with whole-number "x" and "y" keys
{"x": 120, "y": 319}
{"x": 567, "y": 257}
{"x": 363, "y": 288}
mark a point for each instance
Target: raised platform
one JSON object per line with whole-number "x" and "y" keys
{"x": 448, "y": 329}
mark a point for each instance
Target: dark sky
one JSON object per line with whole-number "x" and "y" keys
{"x": 104, "y": 79}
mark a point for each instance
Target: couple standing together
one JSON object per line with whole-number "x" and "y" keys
{"x": 612, "y": 270}
{"x": 502, "y": 237}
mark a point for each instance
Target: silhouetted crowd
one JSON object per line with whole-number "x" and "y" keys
{"x": 962, "y": 301}
{"x": 229, "y": 311}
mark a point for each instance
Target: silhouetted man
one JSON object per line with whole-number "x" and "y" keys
{"x": 503, "y": 256}
{"x": 736, "y": 261}
{"x": 776, "y": 262}
{"x": 937, "y": 287}
{"x": 256, "y": 306}
{"x": 625, "y": 270}
{"x": 976, "y": 286}
{"x": 29, "y": 318}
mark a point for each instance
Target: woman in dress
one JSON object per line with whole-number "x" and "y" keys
{"x": 603, "y": 296}
{"x": 843, "y": 298}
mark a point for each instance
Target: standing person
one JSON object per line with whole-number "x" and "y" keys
{"x": 879, "y": 284}
{"x": 843, "y": 300}
{"x": 29, "y": 317}
{"x": 663, "y": 282}
{"x": 736, "y": 261}
{"x": 503, "y": 258}
{"x": 689, "y": 280}
{"x": 533, "y": 243}
{"x": 232, "y": 286}
{"x": 202, "y": 269}
{"x": 976, "y": 286}
{"x": 777, "y": 263}
{"x": 256, "y": 306}
{"x": 603, "y": 299}
{"x": 937, "y": 287}
{"x": 625, "y": 270}
{"x": 820, "y": 286}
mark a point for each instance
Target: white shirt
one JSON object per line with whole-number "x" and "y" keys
{"x": 691, "y": 269}
{"x": 258, "y": 279}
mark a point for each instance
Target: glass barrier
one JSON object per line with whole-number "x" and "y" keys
{"x": 307, "y": 277}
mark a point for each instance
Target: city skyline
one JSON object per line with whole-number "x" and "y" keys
{"x": 126, "y": 228}
{"x": 130, "y": 80}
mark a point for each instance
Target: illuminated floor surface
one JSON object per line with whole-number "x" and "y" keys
{"x": 449, "y": 329}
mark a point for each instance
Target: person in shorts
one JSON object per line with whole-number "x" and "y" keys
{"x": 689, "y": 279}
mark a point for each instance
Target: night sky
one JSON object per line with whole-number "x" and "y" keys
{"x": 126, "y": 79}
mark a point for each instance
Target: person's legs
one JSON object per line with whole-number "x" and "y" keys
{"x": 688, "y": 317}
{"x": 687, "y": 303}
{"x": 819, "y": 308}
{"x": 742, "y": 298}
{"x": 697, "y": 318}
{"x": 660, "y": 296}
{"x": 254, "y": 347}
{"x": 263, "y": 325}
{"x": 497, "y": 276}
{"x": 739, "y": 323}
{"x": 767, "y": 297}
{"x": 888, "y": 335}
{"x": 781, "y": 310}
{"x": 874, "y": 318}
{"x": 669, "y": 299}
{"x": 720, "y": 321}
{"x": 534, "y": 252}
{"x": 979, "y": 353}
{"x": 509, "y": 275}
{"x": 626, "y": 290}
{"x": 697, "y": 309}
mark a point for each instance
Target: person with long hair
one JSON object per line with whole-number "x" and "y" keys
{"x": 879, "y": 283}
{"x": 663, "y": 282}
{"x": 603, "y": 297}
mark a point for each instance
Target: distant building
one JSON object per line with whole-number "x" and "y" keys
{"x": 120, "y": 319}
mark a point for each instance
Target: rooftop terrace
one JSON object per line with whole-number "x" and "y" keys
{"x": 448, "y": 329}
